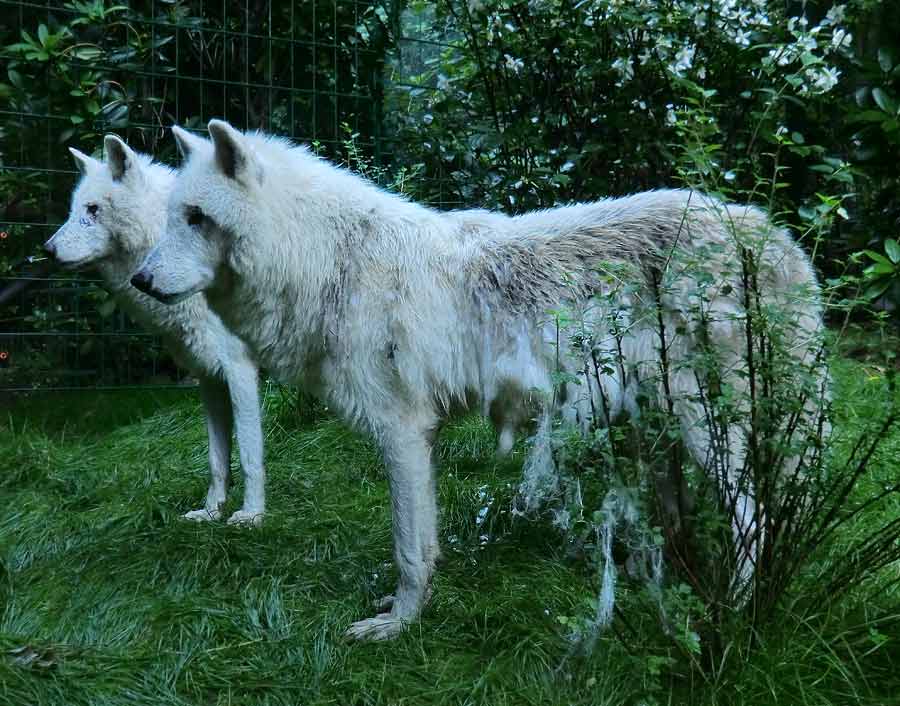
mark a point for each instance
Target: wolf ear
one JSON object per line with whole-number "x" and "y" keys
{"x": 234, "y": 157}
{"x": 120, "y": 158}
{"x": 187, "y": 142}
{"x": 82, "y": 161}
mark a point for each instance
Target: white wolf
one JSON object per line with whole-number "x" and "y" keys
{"x": 396, "y": 313}
{"x": 117, "y": 215}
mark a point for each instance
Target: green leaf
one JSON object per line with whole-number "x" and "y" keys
{"x": 107, "y": 307}
{"x": 88, "y": 53}
{"x": 879, "y": 269}
{"x": 892, "y": 249}
{"x": 884, "y": 101}
{"x": 876, "y": 289}
{"x": 867, "y": 116}
{"x": 42, "y": 34}
{"x": 885, "y": 60}
{"x": 878, "y": 257}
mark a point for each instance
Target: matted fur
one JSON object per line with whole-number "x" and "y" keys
{"x": 127, "y": 196}
{"x": 396, "y": 313}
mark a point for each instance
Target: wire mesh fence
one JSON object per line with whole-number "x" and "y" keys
{"x": 73, "y": 71}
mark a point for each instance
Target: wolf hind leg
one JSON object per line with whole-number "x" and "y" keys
{"x": 540, "y": 477}
{"x": 721, "y": 452}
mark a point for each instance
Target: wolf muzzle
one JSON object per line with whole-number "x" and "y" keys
{"x": 49, "y": 247}
{"x": 143, "y": 282}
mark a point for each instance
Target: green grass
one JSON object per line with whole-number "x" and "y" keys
{"x": 109, "y": 598}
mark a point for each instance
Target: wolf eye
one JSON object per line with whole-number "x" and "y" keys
{"x": 92, "y": 209}
{"x": 194, "y": 217}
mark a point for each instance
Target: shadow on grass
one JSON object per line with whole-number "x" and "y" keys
{"x": 87, "y": 413}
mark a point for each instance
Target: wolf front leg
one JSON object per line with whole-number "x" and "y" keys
{"x": 243, "y": 387}
{"x": 415, "y": 515}
{"x": 217, "y": 404}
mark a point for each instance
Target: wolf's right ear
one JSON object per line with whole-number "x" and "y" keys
{"x": 82, "y": 161}
{"x": 187, "y": 142}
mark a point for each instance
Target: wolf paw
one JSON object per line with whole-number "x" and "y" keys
{"x": 384, "y": 603}
{"x": 381, "y": 627}
{"x": 202, "y": 515}
{"x": 246, "y": 518}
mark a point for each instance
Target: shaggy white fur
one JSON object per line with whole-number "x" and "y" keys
{"x": 117, "y": 215}
{"x": 396, "y": 313}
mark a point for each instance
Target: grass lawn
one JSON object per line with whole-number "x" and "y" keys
{"x": 109, "y": 598}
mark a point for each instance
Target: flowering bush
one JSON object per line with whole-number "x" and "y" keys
{"x": 525, "y": 104}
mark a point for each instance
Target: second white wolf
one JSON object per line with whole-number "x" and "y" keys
{"x": 396, "y": 313}
{"x": 117, "y": 215}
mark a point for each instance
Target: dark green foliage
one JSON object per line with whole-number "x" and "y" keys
{"x": 80, "y": 69}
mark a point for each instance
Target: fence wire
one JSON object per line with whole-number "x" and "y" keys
{"x": 73, "y": 71}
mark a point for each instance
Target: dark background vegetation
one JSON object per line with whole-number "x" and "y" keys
{"x": 427, "y": 87}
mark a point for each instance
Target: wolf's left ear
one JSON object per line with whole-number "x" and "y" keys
{"x": 83, "y": 161}
{"x": 187, "y": 142}
{"x": 120, "y": 158}
{"x": 234, "y": 157}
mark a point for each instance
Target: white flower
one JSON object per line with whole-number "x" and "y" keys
{"x": 742, "y": 38}
{"x": 841, "y": 39}
{"x": 625, "y": 69}
{"x": 835, "y": 14}
{"x": 663, "y": 46}
{"x": 782, "y": 55}
{"x": 825, "y": 80}
{"x": 684, "y": 58}
{"x": 807, "y": 43}
{"x": 514, "y": 65}
{"x": 671, "y": 117}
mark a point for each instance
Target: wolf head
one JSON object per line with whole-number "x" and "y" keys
{"x": 210, "y": 205}
{"x": 116, "y": 211}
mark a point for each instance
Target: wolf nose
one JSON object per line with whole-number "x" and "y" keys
{"x": 142, "y": 282}
{"x": 50, "y": 249}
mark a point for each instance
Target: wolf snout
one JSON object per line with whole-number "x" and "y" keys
{"x": 143, "y": 282}
{"x": 50, "y": 249}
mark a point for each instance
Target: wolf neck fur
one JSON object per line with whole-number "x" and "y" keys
{"x": 346, "y": 224}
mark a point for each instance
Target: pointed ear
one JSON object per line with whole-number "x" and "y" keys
{"x": 120, "y": 158}
{"x": 187, "y": 142}
{"x": 234, "y": 157}
{"x": 82, "y": 161}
